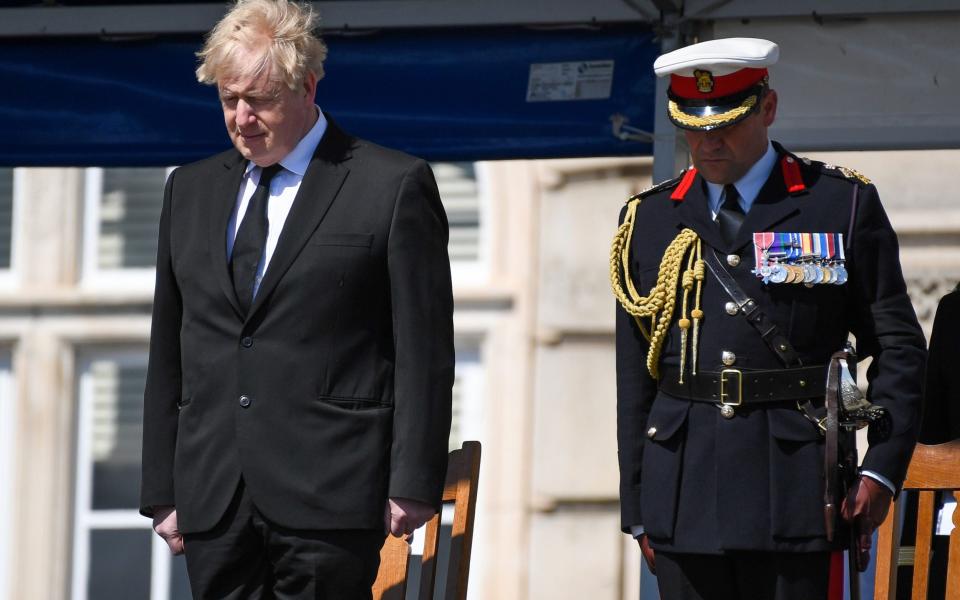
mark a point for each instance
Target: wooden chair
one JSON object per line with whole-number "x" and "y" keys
{"x": 463, "y": 471}
{"x": 932, "y": 469}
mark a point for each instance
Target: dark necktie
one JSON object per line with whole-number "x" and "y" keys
{"x": 730, "y": 215}
{"x": 251, "y": 239}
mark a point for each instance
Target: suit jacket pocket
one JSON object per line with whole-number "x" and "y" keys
{"x": 358, "y": 240}
{"x": 353, "y": 404}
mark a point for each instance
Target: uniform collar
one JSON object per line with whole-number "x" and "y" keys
{"x": 747, "y": 186}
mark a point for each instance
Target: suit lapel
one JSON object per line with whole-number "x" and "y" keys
{"x": 319, "y": 187}
{"x": 694, "y": 212}
{"x": 223, "y": 201}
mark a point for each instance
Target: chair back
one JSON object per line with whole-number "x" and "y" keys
{"x": 932, "y": 469}
{"x": 463, "y": 472}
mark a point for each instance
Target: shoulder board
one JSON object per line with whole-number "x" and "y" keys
{"x": 663, "y": 185}
{"x": 844, "y": 172}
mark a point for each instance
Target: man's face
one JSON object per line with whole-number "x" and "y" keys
{"x": 725, "y": 155}
{"x": 264, "y": 117}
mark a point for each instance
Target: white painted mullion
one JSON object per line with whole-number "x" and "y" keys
{"x": 8, "y": 460}
{"x": 160, "y": 568}
{"x": 83, "y": 497}
{"x": 116, "y": 519}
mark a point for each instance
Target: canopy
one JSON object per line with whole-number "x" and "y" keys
{"x": 443, "y": 94}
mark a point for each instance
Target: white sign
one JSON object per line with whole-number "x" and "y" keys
{"x": 557, "y": 82}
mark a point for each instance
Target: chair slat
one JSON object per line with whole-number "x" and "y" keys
{"x": 460, "y": 489}
{"x": 885, "y": 577}
{"x": 953, "y": 568}
{"x": 921, "y": 556}
{"x": 391, "y": 583}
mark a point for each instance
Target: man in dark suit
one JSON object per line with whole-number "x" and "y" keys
{"x": 736, "y": 282}
{"x": 940, "y": 424}
{"x": 301, "y": 358}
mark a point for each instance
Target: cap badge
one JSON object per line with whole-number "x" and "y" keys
{"x": 704, "y": 81}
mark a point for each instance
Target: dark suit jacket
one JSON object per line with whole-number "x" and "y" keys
{"x": 703, "y": 483}
{"x": 345, "y": 359}
{"x": 941, "y": 408}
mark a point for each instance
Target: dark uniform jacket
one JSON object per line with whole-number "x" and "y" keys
{"x": 334, "y": 391}
{"x": 702, "y": 483}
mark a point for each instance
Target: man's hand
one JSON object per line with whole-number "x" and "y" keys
{"x": 647, "y": 553}
{"x": 165, "y": 524}
{"x": 865, "y": 508}
{"x": 403, "y": 516}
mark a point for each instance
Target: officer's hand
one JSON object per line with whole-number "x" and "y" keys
{"x": 647, "y": 553}
{"x": 403, "y": 516}
{"x": 165, "y": 524}
{"x": 865, "y": 507}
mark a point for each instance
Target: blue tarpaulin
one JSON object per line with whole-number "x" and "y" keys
{"x": 464, "y": 94}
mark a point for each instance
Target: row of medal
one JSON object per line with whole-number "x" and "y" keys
{"x": 808, "y": 258}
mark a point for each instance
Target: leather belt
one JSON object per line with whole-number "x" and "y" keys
{"x": 733, "y": 387}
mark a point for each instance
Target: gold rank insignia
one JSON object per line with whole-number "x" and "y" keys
{"x": 854, "y": 174}
{"x": 704, "y": 81}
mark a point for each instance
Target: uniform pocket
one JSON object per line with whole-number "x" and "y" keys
{"x": 662, "y": 465}
{"x": 796, "y": 475}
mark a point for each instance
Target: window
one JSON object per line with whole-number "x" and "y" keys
{"x": 8, "y": 445}
{"x": 121, "y": 222}
{"x": 468, "y": 391}
{"x": 461, "y": 190}
{"x": 10, "y": 188}
{"x": 116, "y": 555}
{"x": 6, "y": 218}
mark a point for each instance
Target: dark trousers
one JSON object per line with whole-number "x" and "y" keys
{"x": 247, "y": 557}
{"x": 743, "y": 576}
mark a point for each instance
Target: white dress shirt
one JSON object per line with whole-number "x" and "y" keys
{"x": 283, "y": 189}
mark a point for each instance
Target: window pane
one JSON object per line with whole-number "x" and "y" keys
{"x": 461, "y": 200}
{"x": 117, "y": 411}
{"x": 119, "y": 564}
{"x": 467, "y": 406}
{"x": 179, "y": 584}
{"x": 129, "y": 217}
{"x": 6, "y": 216}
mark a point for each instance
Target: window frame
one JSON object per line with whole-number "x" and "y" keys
{"x": 91, "y": 274}
{"x": 476, "y": 272}
{"x": 85, "y": 518}
{"x": 10, "y": 277}
{"x": 8, "y": 468}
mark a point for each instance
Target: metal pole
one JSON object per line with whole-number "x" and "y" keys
{"x": 669, "y": 149}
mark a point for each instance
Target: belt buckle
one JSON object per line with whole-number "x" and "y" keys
{"x": 728, "y": 388}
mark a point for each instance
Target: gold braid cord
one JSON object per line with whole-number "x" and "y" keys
{"x": 708, "y": 120}
{"x": 659, "y": 304}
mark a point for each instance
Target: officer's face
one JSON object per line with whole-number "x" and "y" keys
{"x": 264, "y": 117}
{"x": 725, "y": 155}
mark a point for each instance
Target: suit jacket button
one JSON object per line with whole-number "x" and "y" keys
{"x": 731, "y": 308}
{"x": 733, "y": 260}
{"x": 244, "y": 401}
{"x": 246, "y": 342}
{"x": 652, "y": 432}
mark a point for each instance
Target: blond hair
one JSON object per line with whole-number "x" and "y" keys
{"x": 280, "y": 31}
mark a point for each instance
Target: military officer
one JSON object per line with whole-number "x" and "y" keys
{"x": 735, "y": 284}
